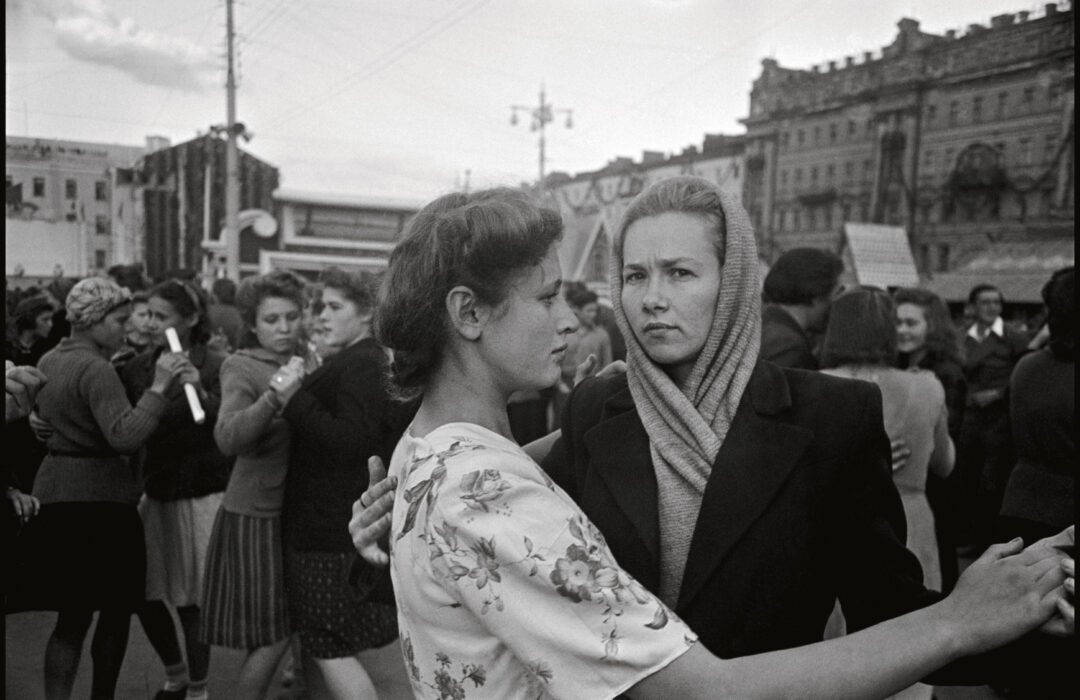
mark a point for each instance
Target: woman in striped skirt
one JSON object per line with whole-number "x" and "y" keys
{"x": 244, "y": 596}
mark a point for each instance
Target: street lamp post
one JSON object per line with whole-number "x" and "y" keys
{"x": 542, "y": 115}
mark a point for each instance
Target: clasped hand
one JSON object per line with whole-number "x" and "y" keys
{"x": 286, "y": 381}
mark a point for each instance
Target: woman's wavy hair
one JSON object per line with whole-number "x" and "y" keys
{"x": 943, "y": 342}
{"x": 361, "y": 288}
{"x": 482, "y": 240}
{"x": 187, "y": 299}
{"x": 281, "y": 284}
{"x": 861, "y": 330}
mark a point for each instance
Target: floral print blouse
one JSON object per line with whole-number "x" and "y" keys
{"x": 504, "y": 588}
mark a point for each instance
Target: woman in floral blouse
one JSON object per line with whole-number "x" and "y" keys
{"x": 504, "y": 588}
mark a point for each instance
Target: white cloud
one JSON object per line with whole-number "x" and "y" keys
{"x": 89, "y": 31}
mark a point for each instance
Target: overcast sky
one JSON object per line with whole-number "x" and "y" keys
{"x": 402, "y": 97}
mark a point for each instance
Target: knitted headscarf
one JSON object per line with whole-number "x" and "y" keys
{"x": 92, "y": 299}
{"x": 686, "y": 425}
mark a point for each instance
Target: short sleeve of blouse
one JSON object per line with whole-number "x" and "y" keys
{"x": 523, "y": 558}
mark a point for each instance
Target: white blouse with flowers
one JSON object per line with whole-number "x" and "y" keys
{"x": 504, "y": 588}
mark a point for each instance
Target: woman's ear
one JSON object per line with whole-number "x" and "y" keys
{"x": 467, "y": 315}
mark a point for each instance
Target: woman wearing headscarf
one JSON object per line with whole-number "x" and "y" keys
{"x": 748, "y": 496}
{"x": 86, "y": 545}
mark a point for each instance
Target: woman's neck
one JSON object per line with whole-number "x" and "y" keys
{"x": 27, "y": 338}
{"x": 455, "y": 396}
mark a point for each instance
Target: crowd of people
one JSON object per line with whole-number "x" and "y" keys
{"x": 721, "y": 484}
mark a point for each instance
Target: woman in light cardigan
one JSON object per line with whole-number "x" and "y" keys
{"x": 86, "y": 545}
{"x": 243, "y": 598}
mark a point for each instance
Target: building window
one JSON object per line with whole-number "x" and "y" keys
{"x": 851, "y": 127}
{"x": 817, "y": 135}
{"x": 976, "y": 109}
{"x": 798, "y": 174}
{"x": 830, "y": 172}
{"x": 780, "y": 221}
{"x": 954, "y": 112}
{"x": 1029, "y": 97}
{"x": 99, "y": 259}
{"x": 1025, "y": 151}
{"x": 946, "y": 164}
{"x": 783, "y": 178}
{"x": 832, "y": 132}
{"x": 39, "y": 187}
{"x": 943, "y": 257}
{"x": 813, "y": 175}
{"x": 785, "y": 139}
{"x": 101, "y": 224}
{"x": 800, "y": 137}
{"x": 100, "y": 193}
{"x": 828, "y": 216}
{"x": 1002, "y": 103}
{"x": 1051, "y": 147}
{"x": 849, "y": 169}
{"x": 71, "y": 189}
{"x": 798, "y": 220}
{"x": 931, "y": 114}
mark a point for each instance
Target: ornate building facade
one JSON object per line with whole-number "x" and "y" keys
{"x": 592, "y": 203}
{"x": 966, "y": 140}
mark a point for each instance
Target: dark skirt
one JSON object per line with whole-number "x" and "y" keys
{"x": 244, "y": 590}
{"x": 330, "y": 614}
{"x": 80, "y": 556}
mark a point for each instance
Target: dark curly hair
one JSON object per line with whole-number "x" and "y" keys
{"x": 1059, "y": 294}
{"x": 188, "y": 299}
{"x": 942, "y": 339}
{"x": 278, "y": 283}
{"x": 360, "y": 287}
{"x": 481, "y": 240}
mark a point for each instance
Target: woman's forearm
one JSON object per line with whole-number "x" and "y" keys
{"x": 873, "y": 663}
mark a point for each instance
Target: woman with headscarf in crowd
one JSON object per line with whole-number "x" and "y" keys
{"x": 927, "y": 339}
{"x": 749, "y": 497}
{"x": 340, "y": 415}
{"x": 501, "y": 579}
{"x": 86, "y": 546}
{"x": 184, "y": 476}
{"x": 243, "y": 600}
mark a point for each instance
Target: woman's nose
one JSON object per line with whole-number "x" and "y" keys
{"x": 567, "y": 321}
{"x": 654, "y": 296}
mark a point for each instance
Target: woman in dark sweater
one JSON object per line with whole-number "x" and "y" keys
{"x": 340, "y": 415}
{"x": 185, "y": 476}
{"x": 927, "y": 339}
{"x": 86, "y": 545}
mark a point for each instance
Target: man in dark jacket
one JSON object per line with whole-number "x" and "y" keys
{"x": 984, "y": 455}
{"x": 798, "y": 291}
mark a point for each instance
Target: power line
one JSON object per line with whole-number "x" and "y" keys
{"x": 388, "y": 58}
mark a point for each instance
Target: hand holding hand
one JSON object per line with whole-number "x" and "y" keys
{"x": 21, "y": 385}
{"x": 1063, "y": 624}
{"x": 371, "y": 514}
{"x": 171, "y": 366}
{"x": 285, "y": 383}
{"x": 42, "y": 428}
{"x": 900, "y": 454}
{"x": 1005, "y": 593}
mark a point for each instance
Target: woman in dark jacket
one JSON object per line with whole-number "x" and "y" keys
{"x": 340, "y": 415}
{"x": 927, "y": 339}
{"x": 185, "y": 476}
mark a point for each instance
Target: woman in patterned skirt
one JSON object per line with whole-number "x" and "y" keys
{"x": 244, "y": 598}
{"x": 340, "y": 415}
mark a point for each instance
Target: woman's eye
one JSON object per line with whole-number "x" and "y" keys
{"x": 680, "y": 272}
{"x": 632, "y": 277}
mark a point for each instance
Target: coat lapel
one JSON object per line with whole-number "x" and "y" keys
{"x": 754, "y": 461}
{"x": 619, "y": 452}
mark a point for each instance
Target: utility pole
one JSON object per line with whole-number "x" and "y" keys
{"x": 542, "y": 115}
{"x": 232, "y": 175}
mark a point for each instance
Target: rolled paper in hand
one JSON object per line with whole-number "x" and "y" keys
{"x": 197, "y": 413}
